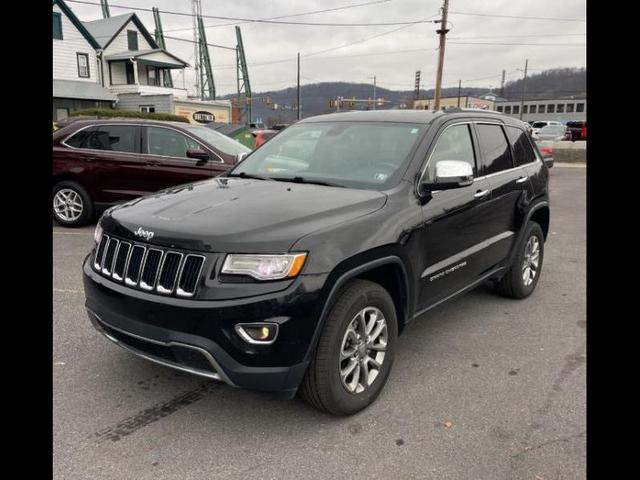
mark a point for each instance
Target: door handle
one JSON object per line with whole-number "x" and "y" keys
{"x": 522, "y": 179}
{"x": 481, "y": 193}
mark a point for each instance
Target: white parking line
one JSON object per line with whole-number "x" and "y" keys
{"x": 60, "y": 232}
{"x": 67, "y": 290}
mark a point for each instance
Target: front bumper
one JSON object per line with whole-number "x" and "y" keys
{"x": 198, "y": 336}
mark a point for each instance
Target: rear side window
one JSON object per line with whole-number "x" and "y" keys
{"x": 116, "y": 138}
{"x": 79, "y": 140}
{"x": 496, "y": 154}
{"x": 522, "y": 151}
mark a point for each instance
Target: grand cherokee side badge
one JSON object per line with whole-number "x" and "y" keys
{"x": 146, "y": 234}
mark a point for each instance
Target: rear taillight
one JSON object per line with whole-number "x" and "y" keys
{"x": 546, "y": 151}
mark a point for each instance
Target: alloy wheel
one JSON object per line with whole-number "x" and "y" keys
{"x": 67, "y": 205}
{"x": 531, "y": 260}
{"x": 363, "y": 349}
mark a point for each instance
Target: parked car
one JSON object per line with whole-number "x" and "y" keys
{"x": 537, "y": 125}
{"x": 97, "y": 163}
{"x": 262, "y": 136}
{"x": 578, "y": 130}
{"x": 553, "y": 133}
{"x": 297, "y": 272}
{"x": 237, "y": 131}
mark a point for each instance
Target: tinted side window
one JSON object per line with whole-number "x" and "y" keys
{"x": 116, "y": 138}
{"x": 453, "y": 144}
{"x": 168, "y": 142}
{"x": 522, "y": 151}
{"x": 494, "y": 147}
{"x": 79, "y": 140}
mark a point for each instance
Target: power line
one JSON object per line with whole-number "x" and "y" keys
{"x": 536, "y": 35}
{"x": 529, "y": 44}
{"x": 257, "y": 20}
{"x": 521, "y": 17}
{"x": 289, "y": 16}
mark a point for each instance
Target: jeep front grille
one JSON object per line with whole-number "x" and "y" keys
{"x": 149, "y": 268}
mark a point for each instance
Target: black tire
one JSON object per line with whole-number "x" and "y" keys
{"x": 87, "y": 205}
{"x": 512, "y": 284}
{"x": 322, "y": 386}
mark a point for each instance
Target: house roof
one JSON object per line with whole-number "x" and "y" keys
{"x": 104, "y": 30}
{"x": 81, "y": 90}
{"x": 172, "y": 60}
{"x": 77, "y": 23}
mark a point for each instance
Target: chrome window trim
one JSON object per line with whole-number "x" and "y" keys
{"x": 64, "y": 142}
{"x": 127, "y": 279}
{"x": 483, "y": 177}
{"x": 143, "y": 284}
{"x": 183, "y": 293}
{"x": 160, "y": 288}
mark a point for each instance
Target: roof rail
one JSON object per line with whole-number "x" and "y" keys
{"x": 460, "y": 110}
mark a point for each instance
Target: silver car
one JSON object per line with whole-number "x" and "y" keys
{"x": 552, "y": 132}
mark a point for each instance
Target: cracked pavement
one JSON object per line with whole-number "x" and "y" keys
{"x": 482, "y": 387}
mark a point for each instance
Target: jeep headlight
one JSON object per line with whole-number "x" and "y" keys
{"x": 264, "y": 267}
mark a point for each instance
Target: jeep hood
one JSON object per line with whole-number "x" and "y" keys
{"x": 238, "y": 215}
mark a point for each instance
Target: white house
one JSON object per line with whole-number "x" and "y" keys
{"x": 76, "y": 72}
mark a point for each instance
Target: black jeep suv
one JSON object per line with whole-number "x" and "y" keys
{"x": 298, "y": 269}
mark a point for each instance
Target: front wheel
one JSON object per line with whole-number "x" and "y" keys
{"x": 523, "y": 276}
{"x": 355, "y": 352}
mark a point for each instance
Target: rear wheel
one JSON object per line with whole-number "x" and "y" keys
{"x": 72, "y": 206}
{"x": 355, "y": 352}
{"x": 521, "y": 279}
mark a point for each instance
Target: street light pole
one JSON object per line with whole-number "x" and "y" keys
{"x": 374, "y": 91}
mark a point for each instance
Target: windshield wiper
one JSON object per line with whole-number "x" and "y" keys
{"x": 307, "y": 180}
{"x": 248, "y": 175}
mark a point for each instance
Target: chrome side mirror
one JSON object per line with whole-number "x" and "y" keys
{"x": 450, "y": 174}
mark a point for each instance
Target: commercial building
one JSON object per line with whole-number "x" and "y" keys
{"x": 574, "y": 109}
{"x": 448, "y": 102}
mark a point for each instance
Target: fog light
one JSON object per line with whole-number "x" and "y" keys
{"x": 258, "y": 333}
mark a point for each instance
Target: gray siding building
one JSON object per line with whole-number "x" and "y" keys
{"x": 568, "y": 109}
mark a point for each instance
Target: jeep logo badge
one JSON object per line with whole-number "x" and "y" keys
{"x": 146, "y": 234}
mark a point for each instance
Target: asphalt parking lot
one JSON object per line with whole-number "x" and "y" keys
{"x": 482, "y": 388}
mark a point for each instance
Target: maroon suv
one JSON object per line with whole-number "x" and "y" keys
{"x": 97, "y": 163}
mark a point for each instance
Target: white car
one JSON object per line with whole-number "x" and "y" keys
{"x": 553, "y": 133}
{"x": 543, "y": 123}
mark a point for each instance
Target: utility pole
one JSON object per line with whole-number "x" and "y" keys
{"x": 299, "y": 110}
{"x": 502, "y": 83}
{"x": 524, "y": 86}
{"x": 374, "y": 91}
{"x": 442, "y": 31}
{"x": 459, "y": 86}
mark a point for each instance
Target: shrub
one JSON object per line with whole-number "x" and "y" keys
{"x": 113, "y": 112}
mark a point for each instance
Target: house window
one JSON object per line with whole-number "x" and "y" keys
{"x": 132, "y": 39}
{"x": 550, "y": 108}
{"x": 541, "y": 108}
{"x": 532, "y": 109}
{"x": 560, "y": 108}
{"x": 499, "y": 108}
{"x": 57, "y": 26}
{"x": 516, "y": 109}
{"x": 579, "y": 107}
{"x": 83, "y": 65}
{"x": 507, "y": 109}
{"x": 525, "y": 109}
{"x": 570, "y": 107}
{"x": 152, "y": 76}
{"x": 147, "y": 108}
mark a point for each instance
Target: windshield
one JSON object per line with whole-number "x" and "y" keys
{"x": 539, "y": 124}
{"x": 358, "y": 155}
{"x": 221, "y": 142}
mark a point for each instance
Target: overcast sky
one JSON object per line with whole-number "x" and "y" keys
{"x": 476, "y": 65}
